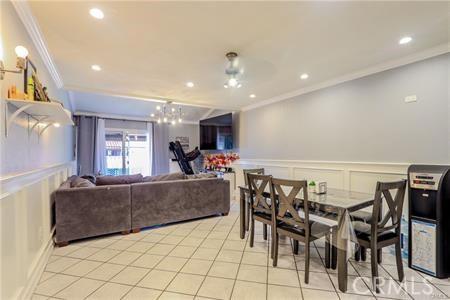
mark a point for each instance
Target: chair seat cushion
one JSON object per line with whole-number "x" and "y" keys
{"x": 317, "y": 229}
{"x": 362, "y": 231}
{"x": 361, "y": 215}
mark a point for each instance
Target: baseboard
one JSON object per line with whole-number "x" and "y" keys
{"x": 36, "y": 273}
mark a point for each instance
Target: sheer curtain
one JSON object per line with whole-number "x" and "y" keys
{"x": 160, "y": 155}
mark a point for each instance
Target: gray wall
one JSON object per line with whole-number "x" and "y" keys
{"x": 20, "y": 152}
{"x": 189, "y": 130}
{"x": 364, "y": 120}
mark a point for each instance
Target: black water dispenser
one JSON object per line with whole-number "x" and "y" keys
{"x": 429, "y": 219}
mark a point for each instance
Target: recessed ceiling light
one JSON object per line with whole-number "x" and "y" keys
{"x": 152, "y": 115}
{"x": 190, "y": 84}
{"x": 304, "y": 76}
{"x": 405, "y": 40}
{"x": 96, "y": 13}
{"x": 96, "y": 68}
{"x": 252, "y": 96}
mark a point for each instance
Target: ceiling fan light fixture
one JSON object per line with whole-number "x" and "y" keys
{"x": 232, "y": 71}
{"x": 232, "y": 82}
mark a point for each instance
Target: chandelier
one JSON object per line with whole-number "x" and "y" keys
{"x": 232, "y": 71}
{"x": 168, "y": 114}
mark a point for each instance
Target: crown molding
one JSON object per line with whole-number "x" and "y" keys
{"x": 431, "y": 52}
{"x": 142, "y": 98}
{"x": 26, "y": 16}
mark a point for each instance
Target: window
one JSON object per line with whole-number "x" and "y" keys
{"x": 127, "y": 152}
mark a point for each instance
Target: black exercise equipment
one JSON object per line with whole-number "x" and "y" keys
{"x": 182, "y": 158}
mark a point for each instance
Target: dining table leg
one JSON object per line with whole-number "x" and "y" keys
{"x": 342, "y": 253}
{"x": 242, "y": 213}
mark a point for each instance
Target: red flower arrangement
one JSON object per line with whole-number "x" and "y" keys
{"x": 220, "y": 160}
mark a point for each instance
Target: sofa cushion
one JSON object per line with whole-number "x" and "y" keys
{"x": 79, "y": 182}
{"x": 123, "y": 179}
{"x": 201, "y": 175}
{"x": 164, "y": 177}
{"x": 91, "y": 178}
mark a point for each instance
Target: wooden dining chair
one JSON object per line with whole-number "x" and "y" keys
{"x": 287, "y": 220}
{"x": 261, "y": 207}
{"x": 259, "y": 171}
{"x": 385, "y": 230}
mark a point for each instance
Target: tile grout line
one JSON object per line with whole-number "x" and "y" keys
{"x": 231, "y": 231}
{"x": 215, "y": 260}
{"x": 178, "y": 272}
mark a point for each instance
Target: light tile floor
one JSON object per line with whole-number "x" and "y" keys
{"x": 206, "y": 259}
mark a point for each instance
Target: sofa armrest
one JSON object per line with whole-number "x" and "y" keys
{"x": 91, "y": 211}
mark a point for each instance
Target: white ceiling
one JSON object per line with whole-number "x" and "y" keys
{"x": 151, "y": 49}
{"x": 119, "y": 106}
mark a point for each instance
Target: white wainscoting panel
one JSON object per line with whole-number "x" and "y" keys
{"x": 354, "y": 176}
{"x": 362, "y": 181}
{"x": 26, "y": 227}
{"x": 333, "y": 177}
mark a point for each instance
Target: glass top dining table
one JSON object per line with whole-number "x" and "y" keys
{"x": 333, "y": 208}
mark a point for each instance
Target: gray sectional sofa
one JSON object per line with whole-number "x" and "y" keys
{"x": 128, "y": 204}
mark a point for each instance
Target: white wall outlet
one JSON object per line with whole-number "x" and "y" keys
{"x": 411, "y": 98}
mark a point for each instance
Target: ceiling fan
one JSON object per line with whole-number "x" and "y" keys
{"x": 232, "y": 71}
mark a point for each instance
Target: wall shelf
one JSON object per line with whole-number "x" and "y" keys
{"x": 43, "y": 113}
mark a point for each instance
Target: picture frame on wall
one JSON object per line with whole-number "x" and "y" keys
{"x": 184, "y": 141}
{"x": 28, "y": 73}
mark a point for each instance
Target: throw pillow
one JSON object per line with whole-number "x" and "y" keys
{"x": 81, "y": 182}
{"x": 91, "y": 178}
{"x": 123, "y": 179}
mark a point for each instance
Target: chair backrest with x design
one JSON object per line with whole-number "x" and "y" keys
{"x": 259, "y": 171}
{"x": 394, "y": 211}
{"x": 285, "y": 208}
{"x": 258, "y": 185}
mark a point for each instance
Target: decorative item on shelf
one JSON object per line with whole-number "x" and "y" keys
{"x": 30, "y": 88}
{"x": 220, "y": 161}
{"x": 39, "y": 91}
{"x": 13, "y": 93}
